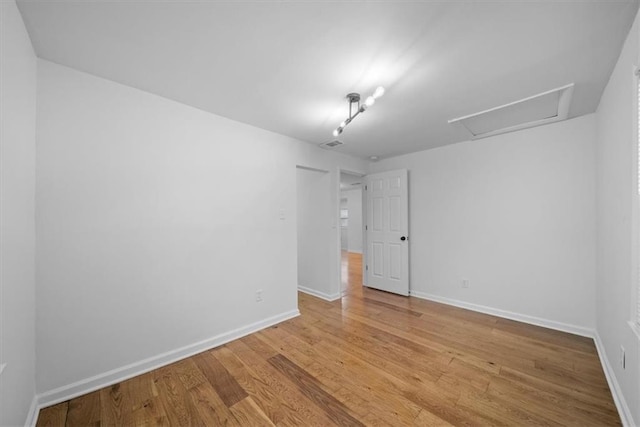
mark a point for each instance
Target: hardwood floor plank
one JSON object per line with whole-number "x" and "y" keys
{"x": 580, "y": 398}
{"x": 465, "y": 373}
{"x": 248, "y": 413}
{"x": 500, "y": 415}
{"x": 309, "y": 386}
{"x": 384, "y": 388}
{"x": 359, "y": 405}
{"x": 260, "y": 347}
{"x": 444, "y": 354}
{"x": 379, "y": 347}
{"x": 332, "y": 375}
{"x": 143, "y": 390}
{"x": 217, "y": 375}
{"x": 84, "y": 410}
{"x": 116, "y": 405}
{"x": 52, "y": 416}
{"x": 426, "y": 418}
{"x": 392, "y": 307}
{"x": 175, "y": 399}
{"x": 210, "y": 408}
{"x": 297, "y": 406}
{"x": 259, "y": 391}
{"x": 328, "y": 378}
{"x": 545, "y": 335}
{"x": 565, "y": 411}
{"x": 189, "y": 374}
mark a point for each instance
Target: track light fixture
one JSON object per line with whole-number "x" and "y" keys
{"x": 354, "y": 101}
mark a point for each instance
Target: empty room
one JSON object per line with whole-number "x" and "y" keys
{"x": 319, "y": 213}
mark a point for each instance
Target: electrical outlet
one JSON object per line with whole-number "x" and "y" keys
{"x": 465, "y": 283}
{"x": 622, "y": 357}
{"x": 259, "y": 295}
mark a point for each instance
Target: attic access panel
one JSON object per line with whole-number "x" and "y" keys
{"x": 543, "y": 108}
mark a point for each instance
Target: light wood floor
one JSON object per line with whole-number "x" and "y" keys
{"x": 373, "y": 359}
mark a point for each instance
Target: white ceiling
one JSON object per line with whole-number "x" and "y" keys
{"x": 286, "y": 66}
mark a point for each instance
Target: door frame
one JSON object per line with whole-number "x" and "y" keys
{"x": 340, "y": 171}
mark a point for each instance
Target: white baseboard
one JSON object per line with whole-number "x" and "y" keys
{"x": 545, "y": 323}
{"x": 34, "y": 411}
{"x": 621, "y": 404}
{"x": 319, "y": 294}
{"x": 114, "y": 376}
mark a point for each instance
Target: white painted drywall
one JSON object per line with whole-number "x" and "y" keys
{"x": 617, "y": 250}
{"x": 157, "y": 223}
{"x": 314, "y": 233}
{"x": 17, "y": 217}
{"x": 513, "y": 214}
{"x": 354, "y": 226}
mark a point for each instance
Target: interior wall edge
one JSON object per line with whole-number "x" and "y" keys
{"x": 34, "y": 412}
{"x": 618, "y": 397}
{"x": 105, "y": 379}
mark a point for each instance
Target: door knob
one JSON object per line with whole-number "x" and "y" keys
{"x": 403, "y": 238}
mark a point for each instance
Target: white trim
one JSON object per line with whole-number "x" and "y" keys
{"x": 34, "y": 411}
{"x": 123, "y": 373}
{"x": 635, "y": 211}
{"x": 321, "y": 295}
{"x": 616, "y": 392}
{"x": 551, "y": 324}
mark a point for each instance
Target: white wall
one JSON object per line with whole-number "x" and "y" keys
{"x": 617, "y": 251}
{"x": 513, "y": 214}
{"x": 315, "y": 233}
{"x": 157, "y": 223}
{"x": 17, "y": 217}
{"x": 354, "y": 225}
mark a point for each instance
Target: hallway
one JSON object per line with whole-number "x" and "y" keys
{"x": 351, "y": 272}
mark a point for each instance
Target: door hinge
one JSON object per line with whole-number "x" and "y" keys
{"x": 366, "y": 227}
{"x": 367, "y": 267}
{"x": 365, "y": 188}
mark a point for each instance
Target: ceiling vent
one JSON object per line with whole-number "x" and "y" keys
{"x": 331, "y": 144}
{"x": 541, "y": 109}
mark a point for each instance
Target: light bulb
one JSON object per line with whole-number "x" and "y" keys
{"x": 378, "y": 93}
{"x": 343, "y": 124}
{"x": 370, "y": 101}
{"x": 336, "y": 133}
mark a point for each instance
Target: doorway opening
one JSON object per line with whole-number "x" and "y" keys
{"x": 351, "y": 231}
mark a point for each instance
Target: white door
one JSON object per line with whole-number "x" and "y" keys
{"x": 387, "y": 231}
